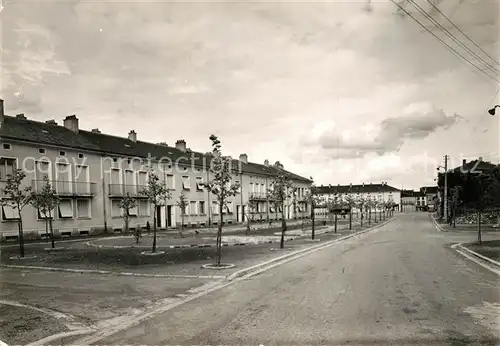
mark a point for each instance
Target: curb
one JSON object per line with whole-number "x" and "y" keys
{"x": 108, "y": 272}
{"x": 473, "y": 253}
{"x": 434, "y": 222}
{"x": 463, "y": 251}
{"x": 275, "y": 261}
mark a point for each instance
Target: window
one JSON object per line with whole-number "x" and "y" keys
{"x": 81, "y": 156}
{"x": 170, "y": 182}
{"x": 42, "y": 216}
{"x": 41, "y": 150}
{"x": 143, "y": 208}
{"x": 83, "y": 208}
{"x": 229, "y": 207}
{"x": 186, "y": 183}
{"x": 7, "y": 166}
{"x": 142, "y": 178}
{"x": 133, "y": 211}
{"x": 62, "y": 153}
{"x": 215, "y": 208}
{"x": 192, "y": 208}
{"x": 6, "y": 146}
{"x": 9, "y": 213}
{"x": 252, "y": 188}
{"x": 65, "y": 209}
{"x": 201, "y": 208}
{"x": 115, "y": 208}
{"x": 199, "y": 181}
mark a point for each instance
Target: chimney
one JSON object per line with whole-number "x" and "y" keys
{"x": 464, "y": 162}
{"x": 244, "y": 158}
{"x": 96, "y": 130}
{"x": 2, "y": 114}
{"x": 71, "y": 123}
{"x": 181, "y": 145}
{"x": 132, "y": 135}
{"x": 51, "y": 122}
{"x": 266, "y": 162}
{"x": 21, "y": 116}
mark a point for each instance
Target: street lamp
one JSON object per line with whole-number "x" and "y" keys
{"x": 492, "y": 111}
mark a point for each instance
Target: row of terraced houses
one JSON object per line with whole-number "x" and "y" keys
{"x": 91, "y": 172}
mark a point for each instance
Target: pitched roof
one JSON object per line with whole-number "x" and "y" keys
{"x": 104, "y": 144}
{"x": 475, "y": 165}
{"x": 408, "y": 193}
{"x": 429, "y": 189}
{"x": 366, "y": 188}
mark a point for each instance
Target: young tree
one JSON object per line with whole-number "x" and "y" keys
{"x": 45, "y": 201}
{"x": 333, "y": 206}
{"x": 156, "y": 192}
{"x": 312, "y": 199}
{"x": 351, "y": 202}
{"x": 361, "y": 205}
{"x": 251, "y": 210}
{"x": 221, "y": 187}
{"x": 127, "y": 203}
{"x": 182, "y": 203}
{"x": 455, "y": 199}
{"x": 281, "y": 190}
{"x": 17, "y": 197}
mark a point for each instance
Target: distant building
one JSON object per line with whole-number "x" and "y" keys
{"x": 378, "y": 192}
{"x": 408, "y": 200}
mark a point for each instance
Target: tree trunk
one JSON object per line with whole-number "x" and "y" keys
{"x": 182, "y": 226}
{"x": 219, "y": 235}
{"x": 336, "y": 218}
{"x": 154, "y": 229}
{"x": 454, "y": 216}
{"x": 369, "y": 217}
{"x": 21, "y": 235}
{"x": 350, "y": 219}
{"x": 361, "y": 214}
{"x": 479, "y": 235}
{"x": 46, "y": 229}
{"x": 283, "y": 227}
{"x": 51, "y": 233}
{"x": 312, "y": 219}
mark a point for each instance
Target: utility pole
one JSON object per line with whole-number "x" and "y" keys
{"x": 446, "y": 187}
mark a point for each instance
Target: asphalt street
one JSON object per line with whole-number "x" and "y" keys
{"x": 400, "y": 284}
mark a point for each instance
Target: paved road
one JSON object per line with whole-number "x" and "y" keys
{"x": 398, "y": 285}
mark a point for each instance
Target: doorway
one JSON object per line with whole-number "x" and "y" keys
{"x": 169, "y": 215}
{"x": 158, "y": 216}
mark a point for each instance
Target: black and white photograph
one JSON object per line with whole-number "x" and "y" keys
{"x": 249, "y": 172}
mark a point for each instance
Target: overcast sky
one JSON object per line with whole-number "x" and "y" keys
{"x": 344, "y": 91}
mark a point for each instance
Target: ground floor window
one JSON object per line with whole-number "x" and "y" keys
{"x": 9, "y": 213}
{"x": 65, "y": 209}
{"x": 83, "y": 208}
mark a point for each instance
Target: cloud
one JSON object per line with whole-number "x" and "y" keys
{"x": 386, "y": 137}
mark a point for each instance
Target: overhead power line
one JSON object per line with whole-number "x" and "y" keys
{"x": 447, "y": 46}
{"x": 463, "y": 33}
{"x": 456, "y": 40}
